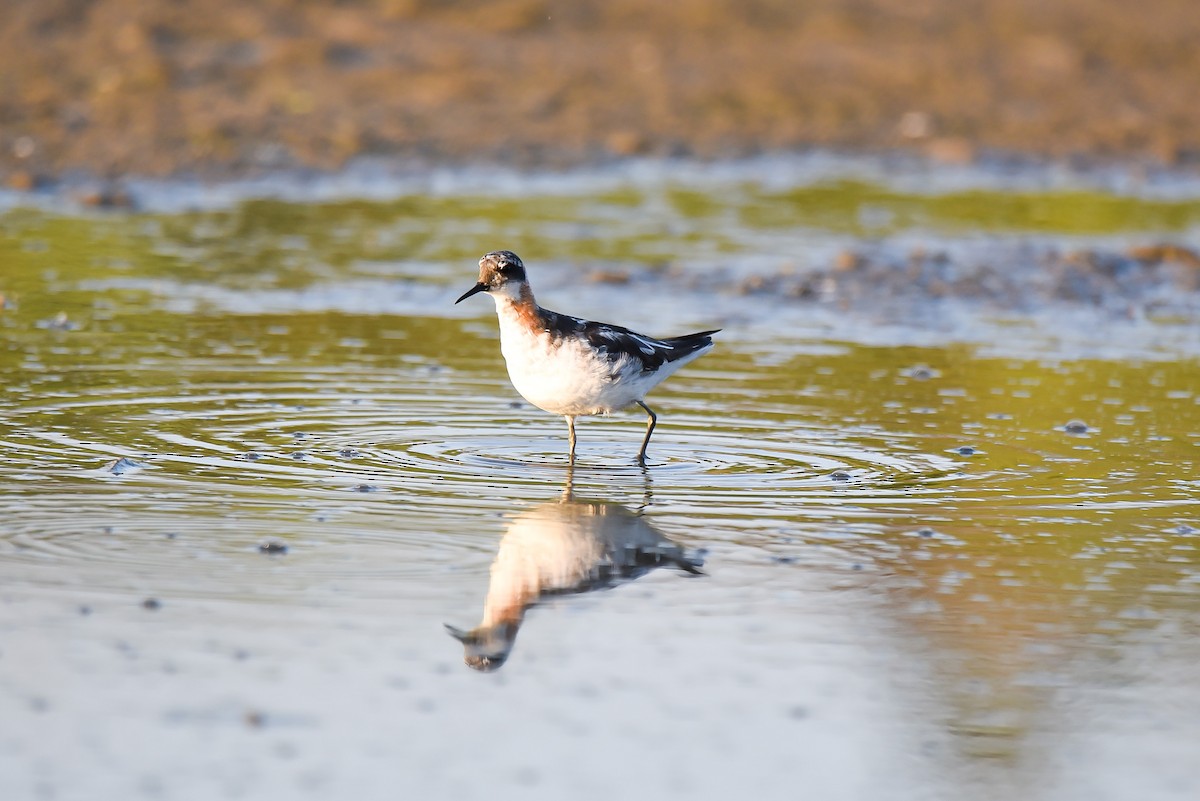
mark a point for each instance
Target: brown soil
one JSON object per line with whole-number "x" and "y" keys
{"x": 228, "y": 87}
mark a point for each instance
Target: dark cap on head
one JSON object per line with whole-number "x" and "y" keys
{"x": 495, "y": 270}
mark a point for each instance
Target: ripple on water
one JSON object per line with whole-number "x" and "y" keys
{"x": 347, "y": 461}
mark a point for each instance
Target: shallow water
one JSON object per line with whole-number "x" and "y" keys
{"x": 253, "y": 459}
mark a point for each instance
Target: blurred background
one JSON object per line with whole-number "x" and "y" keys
{"x": 157, "y": 87}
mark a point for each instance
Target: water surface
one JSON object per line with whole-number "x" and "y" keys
{"x": 253, "y": 459}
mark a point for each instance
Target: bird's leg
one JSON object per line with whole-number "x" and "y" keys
{"x": 571, "y": 438}
{"x": 649, "y": 430}
{"x": 569, "y": 490}
{"x": 647, "y": 490}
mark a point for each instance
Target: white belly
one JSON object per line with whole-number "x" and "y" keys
{"x": 564, "y": 376}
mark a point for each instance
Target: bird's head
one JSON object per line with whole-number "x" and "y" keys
{"x": 500, "y": 271}
{"x": 486, "y": 648}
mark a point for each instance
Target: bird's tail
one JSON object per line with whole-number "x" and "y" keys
{"x": 689, "y": 343}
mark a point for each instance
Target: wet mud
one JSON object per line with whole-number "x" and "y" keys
{"x": 111, "y": 88}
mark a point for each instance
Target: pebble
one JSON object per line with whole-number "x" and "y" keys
{"x": 152, "y": 604}
{"x": 25, "y": 180}
{"x": 272, "y": 547}
{"x": 60, "y": 322}
{"x": 105, "y": 198}
{"x": 840, "y": 475}
{"x": 921, "y": 372}
{"x": 119, "y": 467}
{"x": 1075, "y": 427}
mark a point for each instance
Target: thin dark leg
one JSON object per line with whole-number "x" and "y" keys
{"x": 647, "y": 490}
{"x": 649, "y": 430}
{"x": 571, "y": 437}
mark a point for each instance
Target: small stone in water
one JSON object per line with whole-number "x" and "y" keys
{"x": 152, "y": 604}
{"x": 299, "y": 435}
{"x": 921, "y": 372}
{"x": 365, "y": 488}
{"x": 60, "y": 323}
{"x": 299, "y": 455}
{"x": 1184, "y": 530}
{"x": 272, "y": 547}
{"x": 839, "y": 475}
{"x": 1075, "y": 427}
{"x": 349, "y": 453}
{"x": 925, "y": 532}
{"x": 123, "y": 465}
{"x": 253, "y": 456}
{"x": 966, "y": 450}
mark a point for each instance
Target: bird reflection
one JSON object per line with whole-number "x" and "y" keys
{"x": 567, "y": 546}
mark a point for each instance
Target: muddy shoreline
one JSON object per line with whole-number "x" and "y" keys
{"x": 112, "y": 88}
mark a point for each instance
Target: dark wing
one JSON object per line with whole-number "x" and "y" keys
{"x": 618, "y": 343}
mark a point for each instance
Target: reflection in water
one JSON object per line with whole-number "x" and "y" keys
{"x": 566, "y": 546}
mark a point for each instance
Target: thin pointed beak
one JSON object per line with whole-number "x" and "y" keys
{"x": 480, "y": 287}
{"x": 457, "y": 633}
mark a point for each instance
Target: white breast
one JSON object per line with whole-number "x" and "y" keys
{"x": 562, "y": 375}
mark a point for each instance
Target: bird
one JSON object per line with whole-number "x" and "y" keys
{"x": 573, "y": 367}
{"x": 563, "y": 547}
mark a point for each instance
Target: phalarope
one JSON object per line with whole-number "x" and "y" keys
{"x": 573, "y": 367}
{"x": 558, "y": 548}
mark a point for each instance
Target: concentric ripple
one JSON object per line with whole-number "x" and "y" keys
{"x": 212, "y": 460}
{"x": 329, "y": 410}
